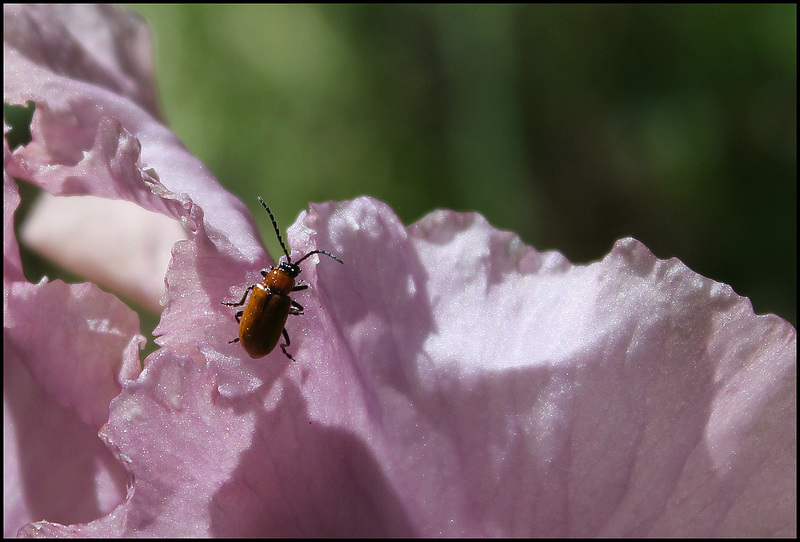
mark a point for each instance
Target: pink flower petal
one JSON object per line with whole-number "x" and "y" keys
{"x": 62, "y": 368}
{"x": 68, "y": 347}
{"x": 128, "y": 254}
{"x": 88, "y": 138}
{"x": 102, "y": 44}
{"x": 451, "y": 381}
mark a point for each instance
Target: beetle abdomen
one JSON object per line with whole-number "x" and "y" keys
{"x": 263, "y": 321}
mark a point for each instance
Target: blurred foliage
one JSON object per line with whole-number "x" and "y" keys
{"x": 18, "y": 119}
{"x": 570, "y": 125}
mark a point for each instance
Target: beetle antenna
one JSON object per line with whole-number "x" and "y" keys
{"x": 277, "y": 231}
{"x": 319, "y": 252}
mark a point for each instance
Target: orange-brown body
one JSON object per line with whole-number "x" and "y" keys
{"x": 265, "y": 314}
{"x": 263, "y": 320}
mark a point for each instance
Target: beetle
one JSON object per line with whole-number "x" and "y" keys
{"x": 263, "y": 319}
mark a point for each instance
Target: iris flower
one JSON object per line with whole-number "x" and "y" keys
{"x": 450, "y": 380}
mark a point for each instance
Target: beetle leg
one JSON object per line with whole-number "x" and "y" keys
{"x": 241, "y": 301}
{"x": 238, "y": 315}
{"x": 301, "y": 285}
{"x": 295, "y": 308}
{"x": 287, "y": 343}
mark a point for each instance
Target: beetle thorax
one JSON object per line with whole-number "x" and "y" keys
{"x": 278, "y": 280}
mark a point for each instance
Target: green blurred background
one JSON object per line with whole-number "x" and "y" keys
{"x": 570, "y": 125}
